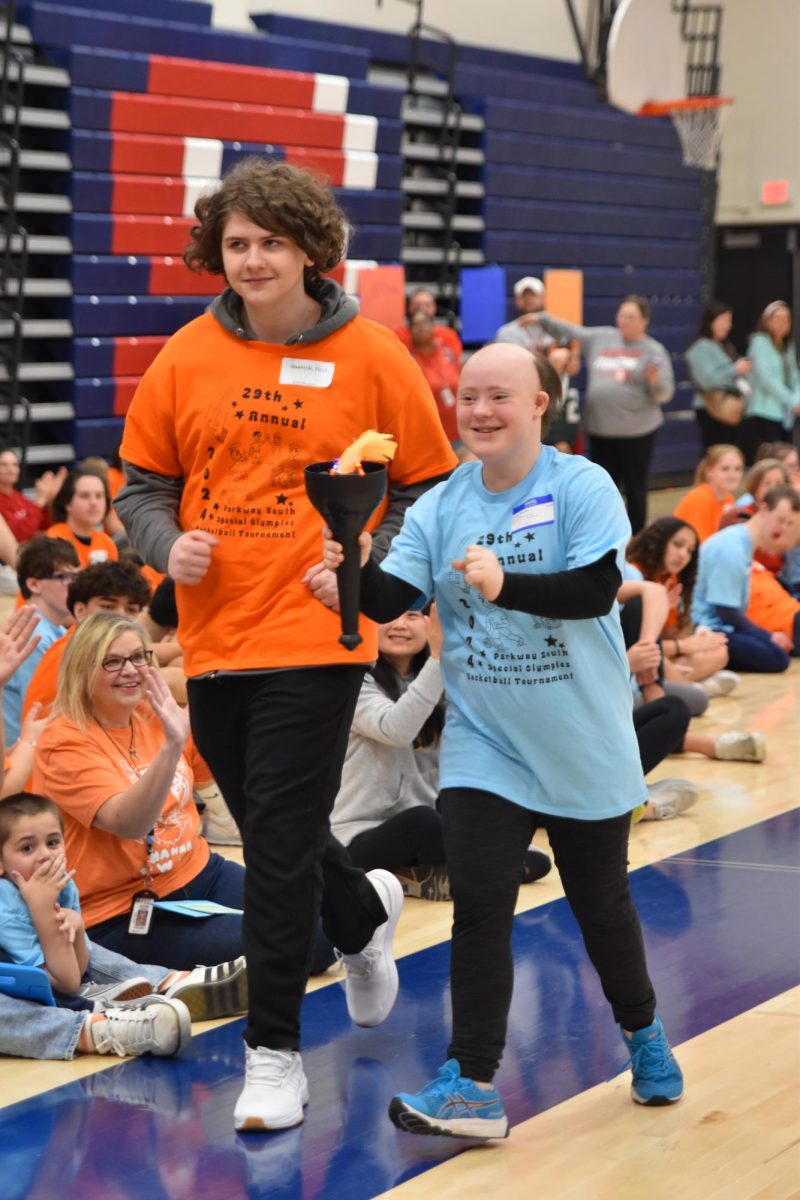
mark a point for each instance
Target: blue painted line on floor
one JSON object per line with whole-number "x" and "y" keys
{"x": 719, "y": 943}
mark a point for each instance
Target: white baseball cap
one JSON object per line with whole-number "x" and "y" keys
{"x": 529, "y": 284}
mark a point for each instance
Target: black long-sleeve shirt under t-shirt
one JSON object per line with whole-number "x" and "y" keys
{"x": 573, "y": 595}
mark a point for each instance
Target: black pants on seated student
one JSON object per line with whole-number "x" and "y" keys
{"x": 270, "y": 738}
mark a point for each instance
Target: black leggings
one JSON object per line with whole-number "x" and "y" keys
{"x": 660, "y": 729}
{"x": 409, "y": 839}
{"x": 486, "y": 838}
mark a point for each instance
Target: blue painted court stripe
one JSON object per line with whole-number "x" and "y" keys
{"x": 720, "y": 941}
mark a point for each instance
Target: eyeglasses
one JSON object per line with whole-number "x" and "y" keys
{"x": 61, "y": 576}
{"x": 116, "y": 662}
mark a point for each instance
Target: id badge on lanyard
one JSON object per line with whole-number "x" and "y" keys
{"x": 142, "y": 908}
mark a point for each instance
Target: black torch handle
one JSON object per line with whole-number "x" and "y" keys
{"x": 348, "y": 576}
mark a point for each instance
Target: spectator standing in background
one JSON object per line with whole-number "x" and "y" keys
{"x": 525, "y": 330}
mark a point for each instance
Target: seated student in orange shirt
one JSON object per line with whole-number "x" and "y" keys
{"x": 79, "y": 511}
{"x": 773, "y": 608}
{"x": 717, "y": 477}
{"x": 423, "y": 301}
{"x": 112, "y": 587}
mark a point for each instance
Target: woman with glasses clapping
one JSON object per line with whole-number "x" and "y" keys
{"x": 112, "y": 760}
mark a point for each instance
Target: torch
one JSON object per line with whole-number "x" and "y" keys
{"x": 346, "y": 493}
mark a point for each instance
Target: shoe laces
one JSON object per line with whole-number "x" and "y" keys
{"x": 269, "y": 1068}
{"x": 359, "y": 965}
{"x": 648, "y": 1060}
{"x": 124, "y": 1027}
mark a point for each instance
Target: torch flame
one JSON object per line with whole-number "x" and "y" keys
{"x": 377, "y": 447}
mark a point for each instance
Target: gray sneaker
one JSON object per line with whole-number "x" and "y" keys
{"x": 721, "y": 683}
{"x": 670, "y": 797}
{"x": 738, "y": 746}
{"x": 104, "y": 994}
{"x": 154, "y": 1025}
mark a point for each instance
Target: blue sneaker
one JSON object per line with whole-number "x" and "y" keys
{"x": 452, "y": 1106}
{"x": 657, "y": 1078}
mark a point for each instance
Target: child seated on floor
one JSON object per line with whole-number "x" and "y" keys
{"x": 716, "y": 480}
{"x": 41, "y": 926}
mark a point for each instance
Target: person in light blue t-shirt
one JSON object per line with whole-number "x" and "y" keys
{"x": 722, "y": 589}
{"x": 45, "y": 568}
{"x": 522, "y": 550}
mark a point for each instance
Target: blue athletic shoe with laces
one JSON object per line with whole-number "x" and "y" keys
{"x": 657, "y": 1078}
{"x": 451, "y": 1106}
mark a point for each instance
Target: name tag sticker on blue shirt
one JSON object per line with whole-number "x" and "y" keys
{"x": 540, "y": 510}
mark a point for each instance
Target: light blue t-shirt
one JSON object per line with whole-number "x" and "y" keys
{"x": 17, "y": 686}
{"x": 18, "y": 937}
{"x": 723, "y": 576}
{"x": 539, "y": 710}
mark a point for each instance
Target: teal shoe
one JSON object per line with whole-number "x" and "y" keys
{"x": 657, "y": 1078}
{"x": 451, "y": 1106}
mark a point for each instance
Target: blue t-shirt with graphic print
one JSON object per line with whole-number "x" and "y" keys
{"x": 539, "y": 709}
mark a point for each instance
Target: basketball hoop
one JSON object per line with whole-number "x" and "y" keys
{"x": 699, "y": 121}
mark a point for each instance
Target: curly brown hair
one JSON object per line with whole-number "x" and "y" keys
{"x": 281, "y": 198}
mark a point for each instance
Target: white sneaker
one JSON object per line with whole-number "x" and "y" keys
{"x": 721, "y": 683}
{"x": 210, "y": 992}
{"x": 219, "y": 827}
{"x": 154, "y": 1025}
{"x": 668, "y": 798}
{"x": 371, "y": 983}
{"x": 104, "y": 994}
{"x": 739, "y": 746}
{"x": 275, "y": 1090}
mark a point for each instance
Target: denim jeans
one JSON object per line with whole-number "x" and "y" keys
{"x": 30, "y": 1030}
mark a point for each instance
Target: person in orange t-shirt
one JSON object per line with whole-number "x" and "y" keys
{"x": 423, "y": 301}
{"x": 717, "y": 477}
{"x": 440, "y": 367}
{"x": 79, "y": 508}
{"x": 772, "y": 607}
{"x": 278, "y": 373}
{"x": 112, "y": 760}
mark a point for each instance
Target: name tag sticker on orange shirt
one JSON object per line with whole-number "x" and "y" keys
{"x": 540, "y": 510}
{"x": 308, "y": 372}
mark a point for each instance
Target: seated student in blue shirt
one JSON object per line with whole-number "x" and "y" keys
{"x": 41, "y": 926}
{"x": 522, "y": 549}
{"x": 722, "y": 589}
{"x": 45, "y": 568}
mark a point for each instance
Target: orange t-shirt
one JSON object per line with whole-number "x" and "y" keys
{"x": 442, "y": 334}
{"x": 43, "y": 681}
{"x": 701, "y": 509}
{"x": 239, "y": 421}
{"x": 116, "y": 481}
{"x": 82, "y": 768}
{"x": 442, "y": 371}
{"x": 99, "y": 549}
{"x": 770, "y": 605}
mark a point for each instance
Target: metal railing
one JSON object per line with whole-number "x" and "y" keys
{"x": 701, "y": 27}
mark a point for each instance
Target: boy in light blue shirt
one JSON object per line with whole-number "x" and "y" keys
{"x": 722, "y": 589}
{"x": 523, "y": 550}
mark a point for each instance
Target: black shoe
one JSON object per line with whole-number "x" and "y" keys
{"x": 536, "y": 866}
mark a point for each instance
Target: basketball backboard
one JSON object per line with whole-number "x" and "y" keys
{"x": 646, "y": 56}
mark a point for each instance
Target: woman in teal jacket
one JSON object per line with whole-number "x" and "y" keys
{"x": 775, "y": 399}
{"x": 713, "y": 365}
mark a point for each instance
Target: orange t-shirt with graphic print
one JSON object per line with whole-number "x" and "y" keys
{"x": 44, "y": 680}
{"x": 701, "y": 509}
{"x": 770, "y": 605}
{"x": 79, "y": 769}
{"x": 100, "y": 547}
{"x": 239, "y": 421}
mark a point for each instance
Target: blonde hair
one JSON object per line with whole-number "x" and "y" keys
{"x": 712, "y": 457}
{"x": 753, "y": 478}
{"x": 82, "y": 660}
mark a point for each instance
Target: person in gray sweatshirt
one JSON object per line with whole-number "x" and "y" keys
{"x": 630, "y": 379}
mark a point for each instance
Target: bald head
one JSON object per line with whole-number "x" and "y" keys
{"x": 501, "y": 361}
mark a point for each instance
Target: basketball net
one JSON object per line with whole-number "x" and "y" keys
{"x": 699, "y": 121}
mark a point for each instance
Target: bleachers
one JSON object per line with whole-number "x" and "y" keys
{"x": 154, "y": 104}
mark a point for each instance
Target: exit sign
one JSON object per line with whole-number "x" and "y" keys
{"x": 775, "y": 191}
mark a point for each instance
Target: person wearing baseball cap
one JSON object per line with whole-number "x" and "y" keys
{"x": 524, "y": 330}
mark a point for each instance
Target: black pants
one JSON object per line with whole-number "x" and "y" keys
{"x": 409, "y": 839}
{"x": 485, "y": 840}
{"x": 716, "y": 433}
{"x": 755, "y": 430}
{"x": 627, "y": 461}
{"x": 275, "y": 743}
{"x": 660, "y": 729}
